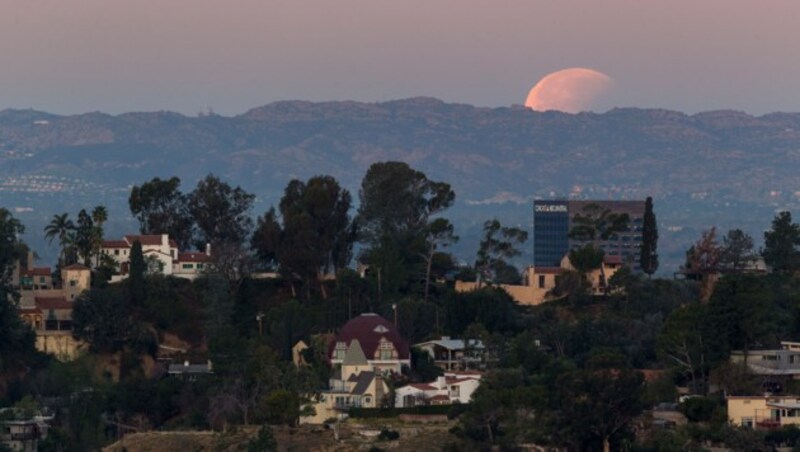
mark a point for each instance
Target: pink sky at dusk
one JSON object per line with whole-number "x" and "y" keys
{"x": 69, "y": 56}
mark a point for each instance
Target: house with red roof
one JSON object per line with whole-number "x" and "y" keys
{"x": 48, "y": 310}
{"x": 365, "y": 353}
{"x": 451, "y": 388}
{"x": 161, "y": 255}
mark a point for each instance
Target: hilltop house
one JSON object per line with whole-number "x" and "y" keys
{"x": 539, "y": 282}
{"x": 367, "y": 351}
{"x": 47, "y": 308}
{"x": 764, "y": 411}
{"x": 454, "y": 354}
{"x": 452, "y": 387}
{"x": 160, "y": 253}
{"x": 779, "y": 363}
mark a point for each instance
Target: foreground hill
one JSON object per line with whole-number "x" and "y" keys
{"x": 721, "y": 168}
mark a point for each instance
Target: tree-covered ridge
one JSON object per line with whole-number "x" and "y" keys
{"x": 575, "y": 373}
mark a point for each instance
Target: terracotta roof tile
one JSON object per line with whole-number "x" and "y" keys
{"x": 192, "y": 257}
{"x": 77, "y": 267}
{"x": 47, "y": 303}
{"x": 115, "y": 244}
{"x": 38, "y": 271}
{"x": 149, "y": 239}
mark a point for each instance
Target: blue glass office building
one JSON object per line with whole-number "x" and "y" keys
{"x": 550, "y": 230}
{"x": 551, "y": 226}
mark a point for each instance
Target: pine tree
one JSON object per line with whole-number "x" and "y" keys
{"x": 649, "y": 257}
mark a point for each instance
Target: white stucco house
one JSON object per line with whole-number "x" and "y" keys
{"x": 161, "y": 255}
{"x": 451, "y": 388}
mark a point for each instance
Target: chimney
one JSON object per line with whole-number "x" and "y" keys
{"x": 208, "y": 249}
{"x": 441, "y": 382}
{"x": 165, "y": 240}
{"x": 30, "y": 260}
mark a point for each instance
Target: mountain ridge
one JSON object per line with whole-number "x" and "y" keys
{"x": 700, "y": 168}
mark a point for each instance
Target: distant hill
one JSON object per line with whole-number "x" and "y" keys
{"x": 723, "y": 168}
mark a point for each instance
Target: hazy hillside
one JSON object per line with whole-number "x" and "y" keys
{"x": 721, "y": 168}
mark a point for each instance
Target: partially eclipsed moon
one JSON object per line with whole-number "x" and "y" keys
{"x": 569, "y": 90}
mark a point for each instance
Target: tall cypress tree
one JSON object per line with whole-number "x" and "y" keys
{"x": 138, "y": 267}
{"x": 649, "y": 257}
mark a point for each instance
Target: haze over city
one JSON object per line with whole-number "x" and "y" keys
{"x": 93, "y": 55}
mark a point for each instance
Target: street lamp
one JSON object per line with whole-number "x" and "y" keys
{"x": 260, "y": 320}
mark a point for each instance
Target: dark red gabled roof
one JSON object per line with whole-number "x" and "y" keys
{"x": 192, "y": 257}
{"x": 369, "y": 329}
{"x": 47, "y": 303}
{"x": 76, "y": 267}
{"x": 115, "y": 244}
{"x": 38, "y": 271}
{"x": 150, "y": 240}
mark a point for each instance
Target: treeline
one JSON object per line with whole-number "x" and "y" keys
{"x": 564, "y": 374}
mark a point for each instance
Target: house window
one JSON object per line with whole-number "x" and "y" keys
{"x": 116, "y": 252}
{"x": 455, "y": 390}
{"x": 73, "y": 283}
{"x": 340, "y": 350}
{"x": 747, "y": 422}
{"x": 541, "y": 281}
{"x": 187, "y": 266}
{"x": 41, "y": 279}
{"x": 199, "y": 266}
{"x": 385, "y": 351}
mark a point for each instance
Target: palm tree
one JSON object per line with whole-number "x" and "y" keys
{"x": 60, "y": 226}
{"x": 99, "y": 216}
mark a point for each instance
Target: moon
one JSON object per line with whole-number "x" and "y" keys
{"x": 569, "y": 90}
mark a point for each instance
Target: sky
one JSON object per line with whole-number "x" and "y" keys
{"x": 75, "y": 56}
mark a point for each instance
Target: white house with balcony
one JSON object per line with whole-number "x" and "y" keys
{"x": 783, "y": 362}
{"x": 161, "y": 255}
{"x": 367, "y": 350}
{"x": 451, "y": 388}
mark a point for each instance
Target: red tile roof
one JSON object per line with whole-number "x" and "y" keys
{"x": 613, "y": 260}
{"x": 192, "y": 257}
{"x": 369, "y": 329}
{"x": 47, "y": 303}
{"x": 149, "y": 239}
{"x": 451, "y": 380}
{"x": 38, "y": 271}
{"x": 438, "y": 397}
{"x": 76, "y": 267}
{"x": 115, "y": 244}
